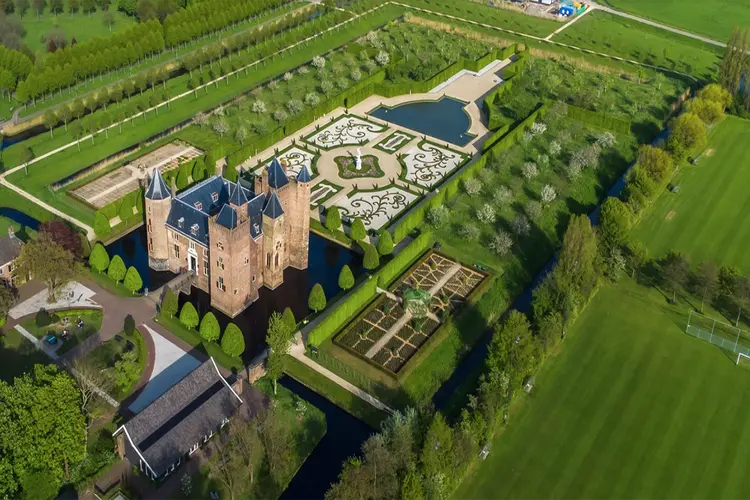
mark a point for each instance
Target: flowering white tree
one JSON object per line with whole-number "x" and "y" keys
{"x": 501, "y": 243}
{"x": 606, "y": 140}
{"x": 468, "y": 231}
{"x": 303, "y": 70}
{"x": 288, "y": 76}
{"x": 486, "y": 214}
{"x": 382, "y": 58}
{"x": 240, "y": 135}
{"x": 573, "y": 170}
{"x": 280, "y": 115}
{"x": 543, "y": 161}
{"x": 312, "y": 99}
{"x": 437, "y": 216}
{"x": 472, "y": 186}
{"x": 319, "y": 62}
{"x": 502, "y": 195}
{"x": 259, "y": 107}
{"x": 587, "y": 156}
{"x": 554, "y": 148}
{"x": 538, "y": 128}
{"x": 326, "y": 86}
{"x": 527, "y": 138}
{"x": 294, "y": 106}
{"x": 373, "y": 39}
{"x": 529, "y": 170}
{"x": 221, "y": 127}
{"x": 356, "y": 75}
{"x": 520, "y": 225}
{"x": 273, "y": 84}
{"x": 548, "y": 194}
{"x": 533, "y": 209}
{"x": 201, "y": 119}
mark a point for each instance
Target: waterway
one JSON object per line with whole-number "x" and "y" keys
{"x": 20, "y": 218}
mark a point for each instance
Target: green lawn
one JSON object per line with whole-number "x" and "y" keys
{"x": 713, "y": 18}
{"x": 706, "y": 219}
{"x": 81, "y": 26}
{"x": 623, "y": 37}
{"x": 105, "y": 355}
{"x": 18, "y": 355}
{"x": 92, "y": 323}
{"x": 632, "y": 408}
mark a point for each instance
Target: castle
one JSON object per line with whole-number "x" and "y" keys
{"x": 233, "y": 240}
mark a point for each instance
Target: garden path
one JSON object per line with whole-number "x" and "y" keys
{"x": 298, "y": 352}
{"x": 569, "y": 23}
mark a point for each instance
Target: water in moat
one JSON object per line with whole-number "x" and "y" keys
{"x": 325, "y": 262}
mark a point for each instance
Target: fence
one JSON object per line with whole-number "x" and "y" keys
{"x": 718, "y": 333}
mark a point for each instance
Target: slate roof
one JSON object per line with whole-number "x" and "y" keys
{"x": 304, "y": 175}
{"x": 255, "y": 214}
{"x": 237, "y": 196}
{"x": 276, "y": 176}
{"x": 195, "y": 406}
{"x": 227, "y": 217}
{"x": 157, "y": 188}
{"x": 273, "y": 207}
{"x": 10, "y": 249}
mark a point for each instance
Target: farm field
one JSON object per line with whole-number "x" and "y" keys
{"x": 616, "y": 35}
{"x": 81, "y": 26}
{"x": 715, "y": 18}
{"x": 632, "y": 408}
{"x": 706, "y": 219}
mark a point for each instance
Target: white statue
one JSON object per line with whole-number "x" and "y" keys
{"x": 358, "y": 165}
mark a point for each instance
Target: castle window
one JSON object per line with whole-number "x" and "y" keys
{"x": 268, "y": 260}
{"x": 205, "y": 267}
{"x": 194, "y": 229}
{"x": 150, "y": 244}
{"x": 198, "y": 205}
{"x": 149, "y": 210}
{"x": 220, "y": 284}
{"x": 181, "y": 222}
{"x": 276, "y": 260}
{"x": 215, "y": 196}
{"x": 253, "y": 278}
{"x": 220, "y": 263}
{"x": 235, "y": 291}
{"x": 220, "y": 245}
{"x": 247, "y": 260}
{"x": 175, "y": 236}
{"x": 177, "y": 251}
{"x": 191, "y": 244}
{"x": 256, "y": 227}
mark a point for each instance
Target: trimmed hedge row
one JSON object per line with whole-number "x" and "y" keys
{"x": 359, "y": 298}
{"x": 597, "y": 119}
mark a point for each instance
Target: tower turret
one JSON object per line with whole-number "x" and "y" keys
{"x": 299, "y": 223}
{"x": 274, "y": 244}
{"x": 158, "y": 201}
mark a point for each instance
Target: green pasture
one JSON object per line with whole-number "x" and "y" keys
{"x": 611, "y": 34}
{"x": 80, "y": 26}
{"x": 712, "y": 18}
{"x": 632, "y": 407}
{"x": 707, "y": 218}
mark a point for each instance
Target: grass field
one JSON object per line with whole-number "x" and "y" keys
{"x": 631, "y": 408}
{"x": 81, "y": 26}
{"x": 616, "y": 35}
{"x": 713, "y": 18}
{"x": 706, "y": 219}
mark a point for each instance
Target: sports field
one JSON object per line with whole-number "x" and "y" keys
{"x": 631, "y": 408}
{"x": 712, "y": 18}
{"x": 707, "y": 219}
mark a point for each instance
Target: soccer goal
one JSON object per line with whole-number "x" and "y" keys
{"x": 744, "y": 358}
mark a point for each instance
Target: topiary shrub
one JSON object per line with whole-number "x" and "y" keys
{"x": 233, "y": 342}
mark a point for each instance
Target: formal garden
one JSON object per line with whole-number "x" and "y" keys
{"x": 64, "y": 330}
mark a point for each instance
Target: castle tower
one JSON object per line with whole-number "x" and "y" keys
{"x": 238, "y": 199}
{"x": 274, "y": 242}
{"x": 299, "y": 223}
{"x": 158, "y": 201}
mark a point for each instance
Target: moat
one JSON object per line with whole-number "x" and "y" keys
{"x": 326, "y": 259}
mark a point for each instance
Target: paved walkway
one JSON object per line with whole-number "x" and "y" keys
{"x": 298, "y": 352}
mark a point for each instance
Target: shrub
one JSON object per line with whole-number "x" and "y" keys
{"x": 716, "y": 93}
{"x": 233, "y": 342}
{"x": 472, "y": 186}
{"x": 116, "y": 269}
{"x": 372, "y": 259}
{"x": 280, "y": 115}
{"x": 385, "y": 244}
{"x": 333, "y": 219}
{"x": 99, "y": 258}
{"x": 129, "y": 325}
{"x": 555, "y": 148}
{"x": 573, "y": 170}
{"x": 312, "y": 99}
{"x": 209, "y": 328}
{"x": 133, "y": 281}
{"x": 294, "y": 106}
{"x": 533, "y": 210}
{"x": 43, "y": 318}
{"x": 317, "y": 299}
{"x": 346, "y": 278}
{"x": 259, "y": 107}
{"x": 502, "y": 195}
{"x": 319, "y": 62}
{"x": 358, "y": 232}
{"x": 437, "y": 215}
{"x": 356, "y": 75}
{"x": 170, "y": 303}
{"x": 189, "y": 316}
{"x": 288, "y": 76}
{"x": 326, "y": 86}
{"x": 383, "y": 58}
{"x": 290, "y": 322}
{"x": 687, "y": 132}
{"x": 538, "y": 128}
{"x": 501, "y": 243}
{"x": 101, "y": 224}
